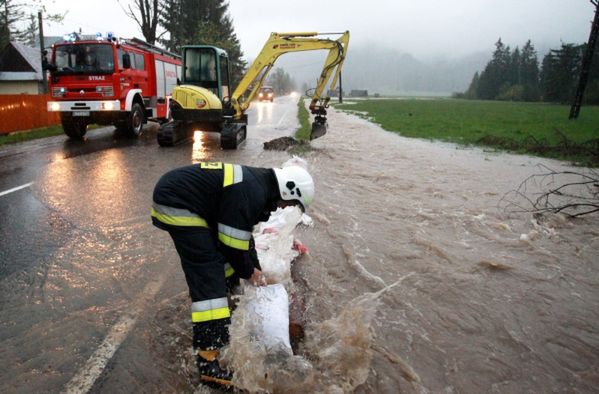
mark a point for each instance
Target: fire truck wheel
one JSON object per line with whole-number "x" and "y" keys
{"x": 136, "y": 120}
{"x": 75, "y": 128}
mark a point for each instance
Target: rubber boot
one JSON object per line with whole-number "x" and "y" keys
{"x": 211, "y": 373}
{"x": 208, "y": 338}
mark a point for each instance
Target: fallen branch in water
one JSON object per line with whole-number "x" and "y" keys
{"x": 572, "y": 193}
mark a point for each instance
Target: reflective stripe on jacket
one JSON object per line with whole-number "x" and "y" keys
{"x": 227, "y": 198}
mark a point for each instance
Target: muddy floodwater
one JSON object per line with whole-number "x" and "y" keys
{"x": 426, "y": 214}
{"x": 418, "y": 279}
{"x": 476, "y": 298}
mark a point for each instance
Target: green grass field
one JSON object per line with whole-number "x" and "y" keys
{"x": 534, "y": 128}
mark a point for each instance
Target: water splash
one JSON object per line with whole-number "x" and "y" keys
{"x": 335, "y": 357}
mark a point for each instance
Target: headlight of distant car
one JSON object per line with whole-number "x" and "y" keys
{"x": 260, "y": 95}
{"x": 269, "y": 95}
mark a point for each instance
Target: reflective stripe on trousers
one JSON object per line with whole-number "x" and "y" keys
{"x": 207, "y": 310}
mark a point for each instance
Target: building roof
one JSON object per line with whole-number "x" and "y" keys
{"x": 19, "y": 62}
{"x": 49, "y": 41}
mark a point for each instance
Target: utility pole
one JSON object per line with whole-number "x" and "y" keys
{"x": 340, "y": 89}
{"x": 586, "y": 64}
{"x": 43, "y": 57}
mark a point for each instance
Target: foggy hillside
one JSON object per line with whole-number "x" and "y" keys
{"x": 389, "y": 71}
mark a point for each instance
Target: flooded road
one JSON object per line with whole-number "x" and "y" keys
{"x": 390, "y": 208}
{"x": 475, "y": 306}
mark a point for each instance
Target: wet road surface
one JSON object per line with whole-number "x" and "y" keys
{"x": 483, "y": 300}
{"x": 81, "y": 263}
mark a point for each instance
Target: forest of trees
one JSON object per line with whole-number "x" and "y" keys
{"x": 516, "y": 75}
{"x": 172, "y": 23}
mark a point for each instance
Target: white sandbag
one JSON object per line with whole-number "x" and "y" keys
{"x": 274, "y": 243}
{"x": 268, "y": 312}
{"x": 266, "y": 309}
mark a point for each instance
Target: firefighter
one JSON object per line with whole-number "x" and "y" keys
{"x": 209, "y": 210}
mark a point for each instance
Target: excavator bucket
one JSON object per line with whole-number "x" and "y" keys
{"x": 319, "y": 127}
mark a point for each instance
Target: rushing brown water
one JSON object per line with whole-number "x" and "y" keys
{"x": 475, "y": 299}
{"x": 417, "y": 279}
{"x": 489, "y": 302}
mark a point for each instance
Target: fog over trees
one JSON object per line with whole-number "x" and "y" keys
{"x": 389, "y": 71}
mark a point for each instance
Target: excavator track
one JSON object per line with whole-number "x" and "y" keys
{"x": 173, "y": 133}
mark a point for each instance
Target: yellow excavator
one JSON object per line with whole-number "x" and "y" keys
{"x": 203, "y": 99}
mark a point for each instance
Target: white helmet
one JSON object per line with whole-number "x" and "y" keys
{"x": 295, "y": 183}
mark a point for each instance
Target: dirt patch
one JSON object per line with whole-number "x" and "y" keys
{"x": 282, "y": 143}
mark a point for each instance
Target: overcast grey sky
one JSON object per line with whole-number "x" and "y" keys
{"x": 423, "y": 28}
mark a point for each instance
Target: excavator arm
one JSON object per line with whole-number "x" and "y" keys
{"x": 281, "y": 43}
{"x": 197, "y": 107}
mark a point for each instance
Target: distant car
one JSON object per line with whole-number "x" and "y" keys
{"x": 266, "y": 93}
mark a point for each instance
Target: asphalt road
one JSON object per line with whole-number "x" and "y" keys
{"x": 81, "y": 267}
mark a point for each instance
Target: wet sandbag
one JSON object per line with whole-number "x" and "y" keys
{"x": 268, "y": 310}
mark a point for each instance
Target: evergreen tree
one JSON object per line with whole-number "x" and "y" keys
{"x": 510, "y": 88}
{"x": 507, "y": 76}
{"x": 529, "y": 73}
{"x": 494, "y": 76}
{"x": 514, "y": 77}
{"x": 559, "y": 73}
{"x": 10, "y": 13}
{"x": 472, "y": 92}
{"x": 176, "y": 22}
{"x": 203, "y": 22}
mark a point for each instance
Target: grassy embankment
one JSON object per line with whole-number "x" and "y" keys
{"x": 27, "y": 135}
{"x": 303, "y": 133}
{"x": 31, "y": 135}
{"x": 532, "y": 128}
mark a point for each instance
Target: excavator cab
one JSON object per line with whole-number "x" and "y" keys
{"x": 207, "y": 67}
{"x": 202, "y": 99}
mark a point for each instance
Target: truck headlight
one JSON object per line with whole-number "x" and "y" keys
{"x": 107, "y": 105}
{"x": 55, "y": 107}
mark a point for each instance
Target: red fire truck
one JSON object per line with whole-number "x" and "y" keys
{"x": 110, "y": 81}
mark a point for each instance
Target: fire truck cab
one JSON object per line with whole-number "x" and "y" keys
{"x": 109, "y": 81}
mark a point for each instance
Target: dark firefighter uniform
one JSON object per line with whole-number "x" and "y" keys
{"x": 209, "y": 210}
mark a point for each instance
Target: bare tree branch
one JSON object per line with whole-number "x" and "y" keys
{"x": 568, "y": 192}
{"x": 145, "y": 13}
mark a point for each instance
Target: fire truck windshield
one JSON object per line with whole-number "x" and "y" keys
{"x": 79, "y": 58}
